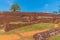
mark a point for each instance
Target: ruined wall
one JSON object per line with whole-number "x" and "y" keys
{"x": 7, "y": 17}
{"x": 46, "y": 35}
{"x": 9, "y": 27}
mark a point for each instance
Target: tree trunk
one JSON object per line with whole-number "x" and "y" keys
{"x": 14, "y": 11}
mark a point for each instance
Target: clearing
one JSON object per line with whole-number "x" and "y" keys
{"x": 26, "y": 33}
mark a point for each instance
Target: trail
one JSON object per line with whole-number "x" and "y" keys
{"x": 16, "y": 36}
{"x": 30, "y": 33}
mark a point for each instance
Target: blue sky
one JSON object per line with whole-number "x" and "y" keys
{"x": 31, "y": 5}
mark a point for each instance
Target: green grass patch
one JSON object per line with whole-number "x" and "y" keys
{"x": 37, "y": 27}
{"x": 59, "y": 24}
{"x": 33, "y": 27}
{"x": 57, "y": 37}
{"x": 15, "y": 22}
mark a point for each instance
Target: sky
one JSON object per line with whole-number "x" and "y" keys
{"x": 31, "y": 5}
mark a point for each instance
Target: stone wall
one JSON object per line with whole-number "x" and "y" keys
{"x": 6, "y": 17}
{"x": 46, "y": 34}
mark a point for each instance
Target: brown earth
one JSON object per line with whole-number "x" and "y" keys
{"x": 17, "y": 35}
{"x": 56, "y": 25}
{"x": 9, "y": 37}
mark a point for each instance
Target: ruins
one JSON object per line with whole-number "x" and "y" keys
{"x": 24, "y": 19}
{"x": 47, "y": 34}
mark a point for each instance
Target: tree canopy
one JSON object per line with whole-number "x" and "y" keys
{"x": 15, "y": 7}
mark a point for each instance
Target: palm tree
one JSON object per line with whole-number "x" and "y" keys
{"x": 15, "y": 7}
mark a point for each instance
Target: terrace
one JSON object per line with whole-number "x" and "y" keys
{"x": 16, "y": 19}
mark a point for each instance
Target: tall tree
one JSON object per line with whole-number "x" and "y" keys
{"x": 15, "y": 7}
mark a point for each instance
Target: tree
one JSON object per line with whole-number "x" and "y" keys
{"x": 55, "y": 12}
{"x": 59, "y": 9}
{"x": 54, "y": 18}
{"x": 15, "y": 7}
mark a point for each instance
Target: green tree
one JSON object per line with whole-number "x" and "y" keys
{"x": 15, "y": 7}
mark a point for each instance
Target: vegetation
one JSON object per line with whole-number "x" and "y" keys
{"x": 32, "y": 28}
{"x": 57, "y": 37}
{"x": 41, "y": 26}
{"x": 15, "y": 22}
{"x": 15, "y": 7}
{"x": 55, "y": 12}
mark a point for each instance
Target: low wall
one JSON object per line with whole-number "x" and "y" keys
{"x": 46, "y": 34}
{"x": 9, "y": 27}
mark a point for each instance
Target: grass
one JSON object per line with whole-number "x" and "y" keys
{"x": 33, "y": 27}
{"x": 15, "y": 22}
{"x": 57, "y": 37}
{"x": 59, "y": 24}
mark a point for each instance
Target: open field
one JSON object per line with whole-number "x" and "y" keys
{"x": 40, "y": 26}
{"x": 26, "y": 33}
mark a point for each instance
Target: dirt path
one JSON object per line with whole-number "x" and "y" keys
{"x": 16, "y": 36}
{"x": 56, "y": 25}
{"x": 30, "y": 33}
{"x": 9, "y": 37}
